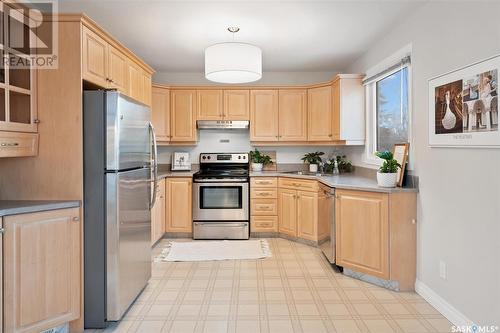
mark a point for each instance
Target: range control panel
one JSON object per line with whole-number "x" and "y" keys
{"x": 224, "y": 158}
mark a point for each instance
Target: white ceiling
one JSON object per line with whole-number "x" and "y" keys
{"x": 295, "y": 36}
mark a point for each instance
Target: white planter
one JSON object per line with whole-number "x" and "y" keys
{"x": 387, "y": 179}
{"x": 313, "y": 168}
{"x": 257, "y": 166}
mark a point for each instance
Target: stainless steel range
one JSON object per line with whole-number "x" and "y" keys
{"x": 221, "y": 197}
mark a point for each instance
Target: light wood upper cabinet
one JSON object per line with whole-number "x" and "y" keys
{"x": 135, "y": 81}
{"x": 110, "y": 67}
{"x": 158, "y": 213}
{"x": 209, "y": 104}
{"x": 319, "y": 109}
{"x": 42, "y": 270}
{"x": 146, "y": 88}
{"x": 264, "y": 115}
{"x": 95, "y": 58}
{"x": 183, "y": 115}
{"x": 362, "y": 232}
{"x": 292, "y": 115}
{"x": 236, "y": 104}
{"x": 118, "y": 70}
{"x": 160, "y": 113}
{"x": 307, "y": 215}
{"x": 179, "y": 205}
{"x": 287, "y": 211}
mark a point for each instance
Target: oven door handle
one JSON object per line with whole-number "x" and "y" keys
{"x": 244, "y": 185}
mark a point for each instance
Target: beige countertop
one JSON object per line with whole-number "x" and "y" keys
{"x": 348, "y": 181}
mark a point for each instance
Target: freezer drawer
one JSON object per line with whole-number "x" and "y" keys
{"x": 128, "y": 238}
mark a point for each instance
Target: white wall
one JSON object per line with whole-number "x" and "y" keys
{"x": 459, "y": 200}
{"x": 239, "y": 141}
{"x": 268, "y": 78}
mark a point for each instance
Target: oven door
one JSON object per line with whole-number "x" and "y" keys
{"x": 220, "y": 202}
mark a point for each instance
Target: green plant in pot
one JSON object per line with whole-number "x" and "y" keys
{"x": 387, "y": 175}
{"x": 258, "y": 160}
{"x": 313, "y": 159}
{"x": 343, "y": 165}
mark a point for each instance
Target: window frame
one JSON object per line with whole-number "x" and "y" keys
{"x": 371, "y": 118}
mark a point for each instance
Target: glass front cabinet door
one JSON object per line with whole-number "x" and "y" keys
{"x": 17, "y": 75}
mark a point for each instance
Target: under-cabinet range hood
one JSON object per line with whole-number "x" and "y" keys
{"x": 223, "y": 124}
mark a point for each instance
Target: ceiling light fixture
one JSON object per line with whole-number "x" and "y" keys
{"x": 233, "y": 62}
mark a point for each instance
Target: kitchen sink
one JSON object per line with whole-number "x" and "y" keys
{"x": 305, "y": 173}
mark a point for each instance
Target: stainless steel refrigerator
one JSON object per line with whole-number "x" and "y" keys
{"x": 119, "y": 172}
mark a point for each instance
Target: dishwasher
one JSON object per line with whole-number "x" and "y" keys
{"x": 327, "y": 206}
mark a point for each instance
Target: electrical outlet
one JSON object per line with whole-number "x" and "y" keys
{"x": 442, "y": 270}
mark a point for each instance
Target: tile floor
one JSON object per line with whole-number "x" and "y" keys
{"x": 294, "y": 291}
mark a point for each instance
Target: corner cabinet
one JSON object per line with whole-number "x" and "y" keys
{"x": 41, "y": 270}
{"x": 179, "y": 205}
{"x": 183, "y": 115}
{"x": 18, "y": 111}
{"x": 376, "y": 234}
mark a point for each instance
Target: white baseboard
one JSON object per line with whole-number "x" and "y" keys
{"x": 456, "y": 317}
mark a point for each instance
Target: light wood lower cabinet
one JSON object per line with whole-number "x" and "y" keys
{"x": 263, "y": 204}
{"x": 307, "y": 215}
{"x": 179, "y": 205}
{"x": 376, "y": 234}
{"x": 158, "y": 215}
{"x": 42, "y": 269}
{"x": 362, "y": 229}
{"x": 287, "y": 213}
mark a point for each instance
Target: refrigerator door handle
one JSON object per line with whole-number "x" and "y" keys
{"x": 154, "y": 164}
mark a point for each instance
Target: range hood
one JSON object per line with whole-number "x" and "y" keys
{"x": 223, "y": 124}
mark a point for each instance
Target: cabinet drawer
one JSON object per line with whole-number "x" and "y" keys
{"x": 266, "y": 193}
{"x": 263, "y": 207}
{"x": 298, "y": 184}
{"x": 18, "y": 144}
{"x": 264, "y": 224}
{"x": 263, "y": 182}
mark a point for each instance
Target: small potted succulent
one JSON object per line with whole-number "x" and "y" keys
{"x": 387, "y": 175}
{"x": 258, "y": 160}
{"x": 313, "y": 159}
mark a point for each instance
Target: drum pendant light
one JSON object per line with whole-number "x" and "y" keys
{"x": 233, "y": 62}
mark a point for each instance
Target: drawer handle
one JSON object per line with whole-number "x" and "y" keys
{"x": 264, "y": 194}
{"x": 264, "y": 207}
{"x": 264, "y": 224}
{"x": 297, "y": 184}
{"x": 76, "y": 219}
{"x": 263, "y": 182}
{"x": 13, "y": 144}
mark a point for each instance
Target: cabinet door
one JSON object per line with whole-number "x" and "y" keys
{"x": 41, "y": 270}
{"x": 292, "y": 115}
{"x": 287, "y": 212}
{"x": 146, "y": 88}
{"x": 158, "y": 213}
{"x": 209, "y": 104}
{"x": 264, "y": 115}
{"x": 118, "y": 70}
{"x": 95, "y": 58}
{"x": 307, "y": 215}
{"x": 336, "y": 110}
{"x": 236, "y": 105}
{"x": 362, "y": 232}
{"x": 319, "y": 108}
{"x": 179, "y": 205}
{"x": 183, "y": 115}
{"x": 135, "y": 82}
{"x": 160, "y": 113}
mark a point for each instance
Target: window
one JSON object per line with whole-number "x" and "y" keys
{"x": 392, "y": 110}
{"x": 388, "y": 107}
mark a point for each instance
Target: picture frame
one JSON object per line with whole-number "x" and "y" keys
{"x": 400, "y": 153}
{"x": 463, "y": 106}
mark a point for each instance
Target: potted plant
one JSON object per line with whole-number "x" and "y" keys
{"x": 258, "y": 160}
{"x": 313, "y": 159}
{"x": 387, "y": 175}
{"x": 343, "y": 165}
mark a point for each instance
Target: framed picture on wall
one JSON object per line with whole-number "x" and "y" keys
{"x": 463, "y": 106}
